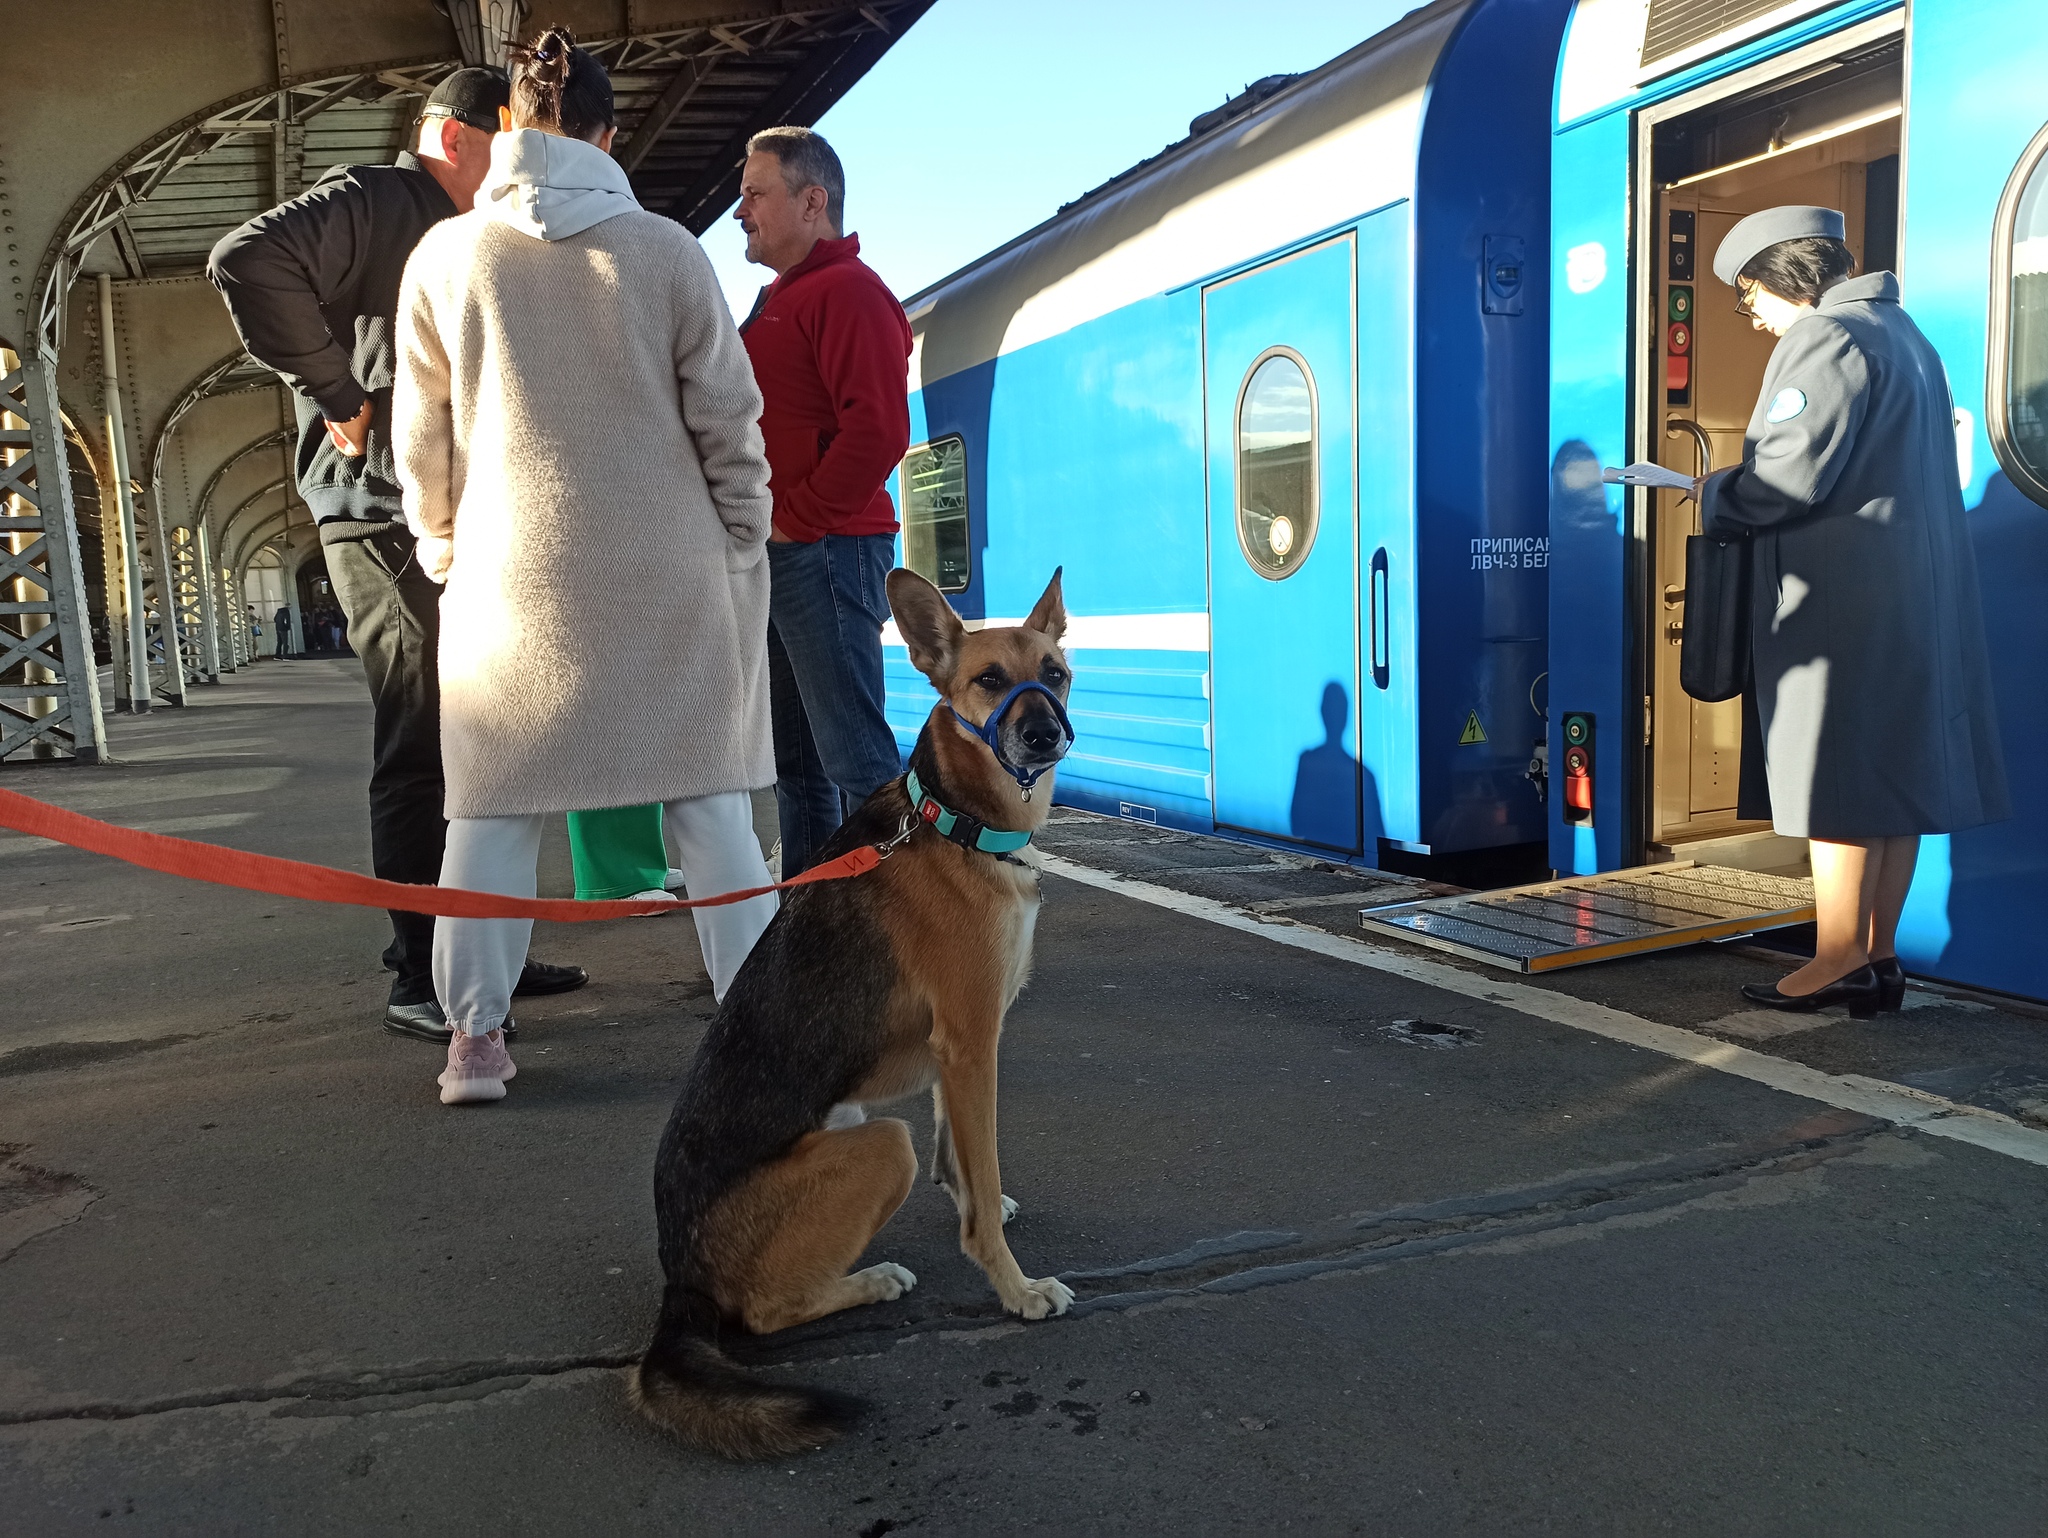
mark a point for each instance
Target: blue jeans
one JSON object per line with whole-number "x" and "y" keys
{"x": 827, "y": 603}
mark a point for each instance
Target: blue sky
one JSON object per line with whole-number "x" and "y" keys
{"x": 989, "y": 114}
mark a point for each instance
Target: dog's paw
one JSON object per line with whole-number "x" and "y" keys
{"x": 1009, "y": 1208}
{"x": 1044, "y": 1296}
{"x": 889, "y": 1280}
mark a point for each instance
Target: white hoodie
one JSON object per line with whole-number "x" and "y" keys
{"x": 551, "y": 187}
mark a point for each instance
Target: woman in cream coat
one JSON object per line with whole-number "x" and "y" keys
{"x": 576, "y": 430}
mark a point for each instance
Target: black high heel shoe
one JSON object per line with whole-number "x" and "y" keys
{"x": 1891, "y": 983}
{"x": 1860, "y": 991}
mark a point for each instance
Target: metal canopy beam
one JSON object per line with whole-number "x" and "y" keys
{"x": 286, "y": 89}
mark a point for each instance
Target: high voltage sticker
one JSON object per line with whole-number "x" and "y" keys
{"x": 1473, "y": 731}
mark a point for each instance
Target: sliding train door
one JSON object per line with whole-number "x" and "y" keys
{"x": 1824, "y": 134}
{"x": 1278, "y": 353}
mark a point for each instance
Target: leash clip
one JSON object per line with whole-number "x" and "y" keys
{"x": 903, "y": 832}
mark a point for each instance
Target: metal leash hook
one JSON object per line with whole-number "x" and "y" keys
{"x": 908, "y": 827}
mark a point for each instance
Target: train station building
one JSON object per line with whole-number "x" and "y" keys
{"x": 1389, "y": 1202}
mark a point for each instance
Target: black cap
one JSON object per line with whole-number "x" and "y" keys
{"x": 472, "y": 96}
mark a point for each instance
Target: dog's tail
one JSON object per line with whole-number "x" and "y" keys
{"x": 687, "y": 1386}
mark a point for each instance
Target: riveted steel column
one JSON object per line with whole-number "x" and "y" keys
{"x": 56, "y": 707}
{"x": 209, "y": 614}
{"x": 134, "y": 602}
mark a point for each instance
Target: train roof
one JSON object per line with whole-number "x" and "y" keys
{"x": 1131, "y": 237}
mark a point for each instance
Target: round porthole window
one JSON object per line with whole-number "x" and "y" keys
{"x": 1276, "y": 464}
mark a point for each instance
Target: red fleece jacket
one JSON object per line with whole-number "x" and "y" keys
{"x": 831, "y": 353}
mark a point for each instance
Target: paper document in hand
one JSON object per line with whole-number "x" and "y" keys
{"x": 1643, "y": 473}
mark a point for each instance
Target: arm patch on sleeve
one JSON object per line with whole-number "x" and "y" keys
{"x": 1786, "y": 405}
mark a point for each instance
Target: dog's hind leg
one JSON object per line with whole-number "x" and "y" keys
{"x": 946, "y": 1163}
{"x": 781, "y": 1244}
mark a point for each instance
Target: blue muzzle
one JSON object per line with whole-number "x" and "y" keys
{"x": 991, "y": 733}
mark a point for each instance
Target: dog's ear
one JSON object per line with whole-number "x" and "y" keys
{"x": 931, "y": 629}
{"x": 1049, "y": 616}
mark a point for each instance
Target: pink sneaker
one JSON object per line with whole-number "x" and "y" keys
{"x": 478, "y": 1067}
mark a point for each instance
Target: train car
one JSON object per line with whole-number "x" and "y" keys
{"x": 1672, "y": 120}
{"x": 1275, "y": 400}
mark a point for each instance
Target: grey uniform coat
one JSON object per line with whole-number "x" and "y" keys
{"x": 1872, "y": 684}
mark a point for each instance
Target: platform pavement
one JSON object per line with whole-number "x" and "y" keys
{"x": 1332, "y": 1279}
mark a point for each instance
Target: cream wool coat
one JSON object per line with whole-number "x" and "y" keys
{"x": 576, "y": 431}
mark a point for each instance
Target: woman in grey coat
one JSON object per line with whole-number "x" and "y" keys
{"x": 1873, "y": 689}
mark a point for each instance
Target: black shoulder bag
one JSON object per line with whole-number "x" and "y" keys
{"x": 1713, "y": 655}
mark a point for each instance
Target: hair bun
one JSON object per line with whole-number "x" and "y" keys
{"x": 558, "y": 87}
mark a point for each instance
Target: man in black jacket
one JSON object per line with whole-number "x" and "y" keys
{"x": 313, "y": 290}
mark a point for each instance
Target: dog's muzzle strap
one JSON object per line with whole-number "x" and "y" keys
{"x": 990, "y": 732}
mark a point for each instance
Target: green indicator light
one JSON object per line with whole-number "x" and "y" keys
{"x": 1681, "y": 303}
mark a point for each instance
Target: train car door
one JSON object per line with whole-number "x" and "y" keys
{"x": 1827, "y": 135}
{"x": 1278, "y": 356}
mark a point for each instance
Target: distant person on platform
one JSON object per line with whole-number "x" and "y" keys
{"x": 313, "y": 289}
{"x": 284, "y": 632}
{"x": 831, "y": 352}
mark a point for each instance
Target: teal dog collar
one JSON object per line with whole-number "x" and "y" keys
{"x": 958, "y": 826}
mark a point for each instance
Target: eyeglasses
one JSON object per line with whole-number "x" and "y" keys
{"x": 438, "y": 111}
{"x": 1743, "y": 296}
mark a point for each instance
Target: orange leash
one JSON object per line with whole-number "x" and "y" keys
{"x": 322, "y": 884}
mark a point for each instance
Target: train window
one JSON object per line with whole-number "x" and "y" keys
{"x": 1276, "y": 464}
{"x": 935, "y": 544}
{"x": 2016, "y": 393}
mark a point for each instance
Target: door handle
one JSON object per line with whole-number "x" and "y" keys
{"x": 1379, "y": 623}
{"x": 1675, "y": 427}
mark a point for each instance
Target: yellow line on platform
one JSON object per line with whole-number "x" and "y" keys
{"x": 1932, "y": 1114}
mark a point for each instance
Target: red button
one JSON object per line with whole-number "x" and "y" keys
{"x": 1681, "y": 338}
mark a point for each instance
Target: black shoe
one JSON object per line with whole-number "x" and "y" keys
{"x": 1859, "y": 991}
{"x": 537, "y": 977}
{"x": 425, "y": 1022}
{"x": 1891, "y": 983}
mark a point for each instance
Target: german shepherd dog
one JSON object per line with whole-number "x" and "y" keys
{"x": 770, "y": 1181}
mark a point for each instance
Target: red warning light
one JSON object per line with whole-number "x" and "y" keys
{"x": 1678, "y": 373}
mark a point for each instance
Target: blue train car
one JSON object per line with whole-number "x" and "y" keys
{"x": 1275, "y": 399}
{"x": 1671, "y": 121}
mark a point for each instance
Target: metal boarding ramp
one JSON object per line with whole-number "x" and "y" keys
{"x": 1569, "y": 923}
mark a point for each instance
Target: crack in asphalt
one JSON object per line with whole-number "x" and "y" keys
{"x": 415, "y": 1383}
{"x": 1209, "y": 1268}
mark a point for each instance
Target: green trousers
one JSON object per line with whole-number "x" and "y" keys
{"x": 618, "y": 851}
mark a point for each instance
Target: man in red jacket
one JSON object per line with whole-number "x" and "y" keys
{"x": 831, "y": 352}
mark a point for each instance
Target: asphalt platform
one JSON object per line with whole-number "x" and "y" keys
{"x": 1365, "y": 1240}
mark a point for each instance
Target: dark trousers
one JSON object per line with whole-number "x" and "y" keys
{"x": 394, "y": 620}
{"x": 827, "y": 603}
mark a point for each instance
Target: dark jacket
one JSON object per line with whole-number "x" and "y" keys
{"x": 831, "y": 352}
{"x": 1872, "y": 680}
{"x": 313, "y": 289}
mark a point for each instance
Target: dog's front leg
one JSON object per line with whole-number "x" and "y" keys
{"x": 946, "y": 1164}
{"x": 967, "y": 1080}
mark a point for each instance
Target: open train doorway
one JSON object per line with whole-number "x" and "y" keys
{"x": 1826, "y": 133}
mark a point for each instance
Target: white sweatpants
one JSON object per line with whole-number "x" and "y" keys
{"x": 477, "y": 961}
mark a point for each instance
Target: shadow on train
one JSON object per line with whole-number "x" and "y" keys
{"x": 1331, "y": 786}
{"x": 1993, "y": 872}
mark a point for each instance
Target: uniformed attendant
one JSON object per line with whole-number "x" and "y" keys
{"x": 1872, "y": 685}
